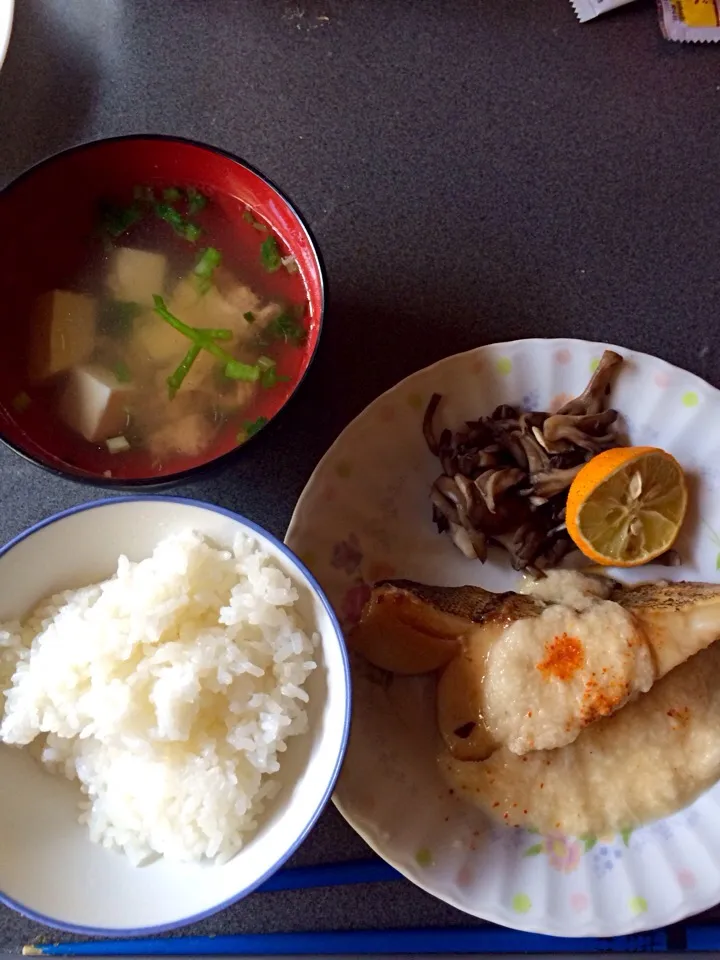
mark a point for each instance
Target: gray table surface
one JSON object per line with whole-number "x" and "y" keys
{"x": 474, "y": 171}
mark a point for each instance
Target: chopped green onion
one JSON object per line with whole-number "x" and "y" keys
{"x": 117, "y": 444}
{"x": 168, "y": 213}
{"x": 178, "y": 375}
{"x": 250, "y": 428}
{"x": 271, "y": 378}
{"x": 207, "y": 263}
{"x": 234, "y": 369}
{"x": 116, "y": 318}
{"x": 116, "y": 220}
{"x": 21, "y": 402}
{"x": 190, "y": 332}
{"x": 270, "y": 255}
{"x": 172, "y": 216}
{"x": 268, "y": 373}
{"x": 253, "y": 221}
{"x": 195, "y": 200}
{"x": 249, "y": 316}
{"x": 286, "y": 327}
{"x": 172, "y": 194}
{"x": 122, "y": 372}
{"x": 221, "y": 334}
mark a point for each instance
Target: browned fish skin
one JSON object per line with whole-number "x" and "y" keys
{"x": 679, "y": 619}
{"x": 473, "y": 604}
{"x": 412, "y": 628}
{"x": 477, "y": 605}
{"x": 665, "y": 596}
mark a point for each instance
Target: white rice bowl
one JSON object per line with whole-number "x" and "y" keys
{"x": 169, "y": 691}
{"x": 197, "y": 701}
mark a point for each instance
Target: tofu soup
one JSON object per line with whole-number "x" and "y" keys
{"x": 181, "y": 333}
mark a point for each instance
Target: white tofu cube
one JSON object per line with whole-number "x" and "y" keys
{"x": 191, "y": 306}
{"x": 62, "y": 332}
{"x": 165, "y": 347}
{"x": 202, "y": 373}
{"x": 215, "y": 308}
{"x": 156, "y": 340}
{"x": 188, "y": 436}
{"x": 94, "y": 402}
{"x": 136, "y": 275}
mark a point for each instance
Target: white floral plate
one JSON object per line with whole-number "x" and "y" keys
{"x": 365, "y": 515}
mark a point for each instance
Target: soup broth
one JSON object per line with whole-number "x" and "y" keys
{"x": 182, "y": 332}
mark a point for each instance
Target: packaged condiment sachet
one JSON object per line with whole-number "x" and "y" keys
{"x": 690, "y": 20}
{"x": 587, "y": 9}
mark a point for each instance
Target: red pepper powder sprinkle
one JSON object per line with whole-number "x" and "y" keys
{"x": 564, "y": 656}
{"x": 600, "y": 701}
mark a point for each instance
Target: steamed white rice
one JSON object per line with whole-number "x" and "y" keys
{"x": 168, "y": 692}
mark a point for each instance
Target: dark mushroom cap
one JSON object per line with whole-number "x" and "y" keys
{"x": 505, "y": 476}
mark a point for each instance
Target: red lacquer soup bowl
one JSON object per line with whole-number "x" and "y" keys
{"x": 95, "y": 244}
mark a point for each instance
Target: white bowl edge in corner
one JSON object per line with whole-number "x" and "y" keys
{"x": 7, "y": 8}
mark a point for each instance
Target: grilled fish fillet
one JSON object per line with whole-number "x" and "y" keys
{"x": 531, "y": 670}
{"x": 646, "y": 761}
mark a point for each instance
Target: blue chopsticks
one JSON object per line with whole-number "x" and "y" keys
{"x": 699, "y": 938}
{"x": 446, "y": 941}
{"x": 330, "y": 875}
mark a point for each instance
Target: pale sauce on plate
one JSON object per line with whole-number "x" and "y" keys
{"x": 648, "y": 760}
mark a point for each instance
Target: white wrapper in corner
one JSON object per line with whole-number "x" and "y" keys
{"x": 587, "y": 9}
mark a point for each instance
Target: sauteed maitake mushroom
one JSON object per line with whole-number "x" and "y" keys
{"x": 505, "y": 477}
